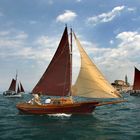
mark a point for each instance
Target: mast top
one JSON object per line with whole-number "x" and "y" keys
{"x": 65, "y": 24}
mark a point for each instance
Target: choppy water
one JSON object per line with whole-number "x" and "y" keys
{"x": 111, "y": 122}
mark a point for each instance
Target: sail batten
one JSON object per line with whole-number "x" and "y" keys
{"x": 90, "y": 81}
{"x": 56, "y": 79}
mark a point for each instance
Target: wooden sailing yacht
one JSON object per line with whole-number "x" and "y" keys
{"x": 12, "y": 92}
{"x": 57, "y": 81}
{"x": 136, "y": 85}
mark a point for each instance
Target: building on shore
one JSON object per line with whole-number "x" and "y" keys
{"x": 122, "y": 86}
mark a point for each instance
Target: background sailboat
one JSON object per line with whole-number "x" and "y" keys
{"x": 56, "y": 81}
{"x": 13, "y": 85}
{"x": 21, "y": 88}
{"x": 136, "y": 84}
{"x": 12, "y": 91}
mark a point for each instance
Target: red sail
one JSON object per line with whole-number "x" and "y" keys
{"x": 13, "y": 85}
{"x": 21, "y": 88}
{"x": 18, "y": 89}
{"x": 56, "y": 79}
{"x": 136, "y": 85}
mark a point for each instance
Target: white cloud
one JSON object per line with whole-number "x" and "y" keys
{"x": 45, "y": 48}
{"x": 130, "y": 44}
{"x": 121, "y": 59}
{"x": 114, "y": 62}
{"x": 4, "y": 33}
{"x": 12, "y": 39}
{"x": 21, "y": 35}
{"x": 45, "y": 41}
{"x": 67, "y": 16}
{"x": 111, "y": 42}
{"x": 9, "y": 43}
{"x": 78, "y": 0}
{"x": 132, "y": 9}
{"x": 14, "y": 44}
{"x": 128, "y": 36}
{"x": 29, "y": 57}
{"x": 106, "y": 17}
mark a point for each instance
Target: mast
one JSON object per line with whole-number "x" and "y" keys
{"x": 70, "y": 60}
{"x": 16, "y": 80}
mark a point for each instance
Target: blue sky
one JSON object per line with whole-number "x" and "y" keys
{"x": 30, "y": 31}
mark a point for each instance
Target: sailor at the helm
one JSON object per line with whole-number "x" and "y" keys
{"x": 35, "y": 99}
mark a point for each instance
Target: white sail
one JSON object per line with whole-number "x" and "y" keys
{"x": 90, "y": 82}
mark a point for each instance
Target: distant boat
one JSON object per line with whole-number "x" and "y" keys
{"x": 12, "y": 92}
{"x": 57, "y": 81}
{"x": 21, "y": 89}
{"x": 136, "y": 85}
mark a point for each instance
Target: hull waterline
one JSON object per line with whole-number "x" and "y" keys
{"x": 74, "y": 108}
{"x": 13, "y": 96}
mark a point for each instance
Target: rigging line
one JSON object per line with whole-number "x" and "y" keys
{"x": 71, "y": 46}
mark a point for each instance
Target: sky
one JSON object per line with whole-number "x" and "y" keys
{"x": 30, "y": 31}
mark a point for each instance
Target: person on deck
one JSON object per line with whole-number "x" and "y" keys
{"x": 35, "y": 99}
{"x": 48, "y": 100}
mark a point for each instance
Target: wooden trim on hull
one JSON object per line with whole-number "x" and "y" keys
{"x": 74, "y": 108}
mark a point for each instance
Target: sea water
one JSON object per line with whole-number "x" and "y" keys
{"x": 110, "y": 122}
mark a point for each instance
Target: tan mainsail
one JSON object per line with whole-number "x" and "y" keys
{"x": 90, "y": 82}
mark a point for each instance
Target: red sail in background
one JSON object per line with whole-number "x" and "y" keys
{"x": 136, "y": 85}
{"x": 13, "y": 85}
{"x": 18, "y": 89}
{"x": 21, "y": 88}
{"x": 56, "y": 79}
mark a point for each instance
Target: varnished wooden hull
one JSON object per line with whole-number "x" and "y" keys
{"x": 72, "y": 108}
